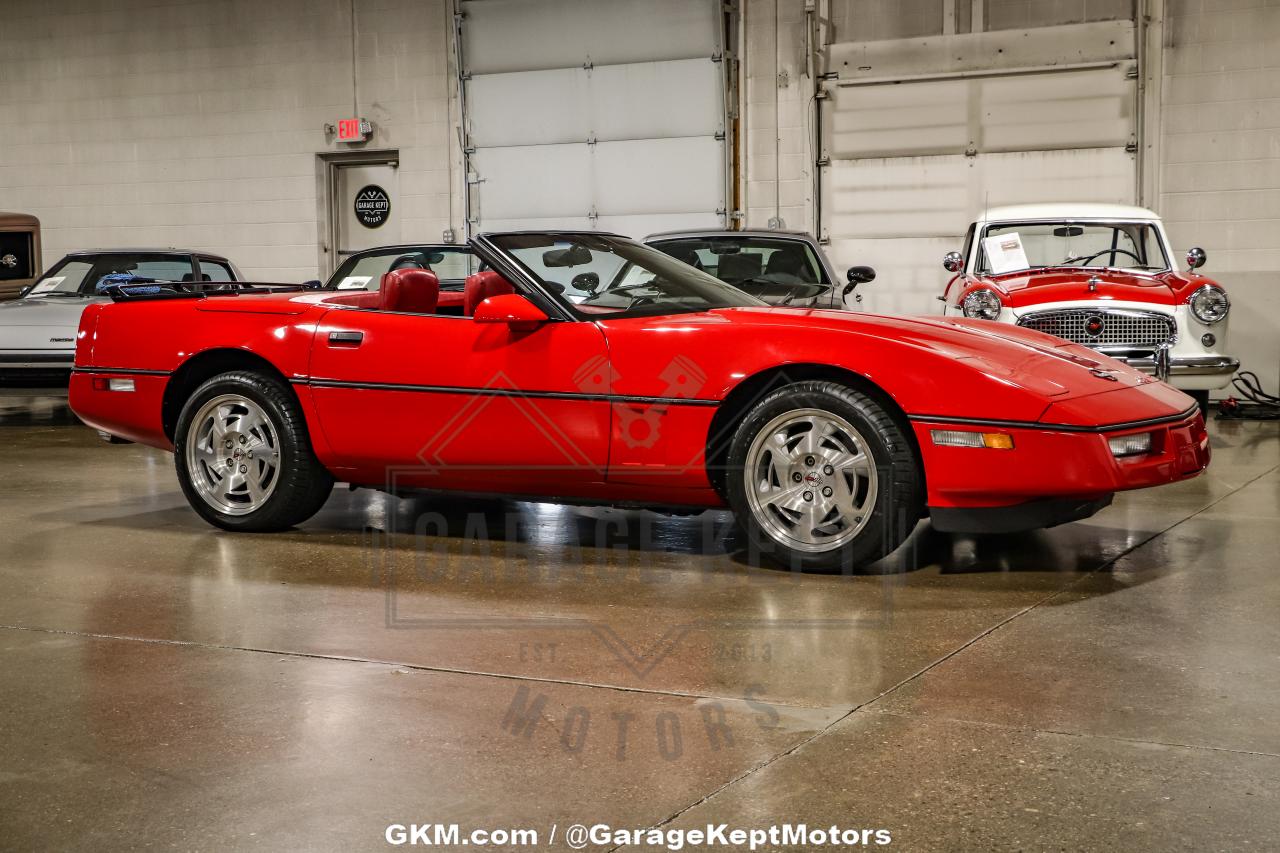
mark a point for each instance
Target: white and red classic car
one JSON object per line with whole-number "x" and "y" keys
{"x": 1101, "y": 275}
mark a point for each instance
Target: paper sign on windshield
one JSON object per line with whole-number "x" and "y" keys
{"x": 47, "y": 285}
{"x": 354, "y": 282}
{"x": 1005, "y": 252}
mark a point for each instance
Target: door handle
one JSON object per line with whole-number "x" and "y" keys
{"x": 346, "y": 339}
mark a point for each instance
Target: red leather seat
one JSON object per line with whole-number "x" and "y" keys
{"x": 450, "y": 299}
{"x": 481, "y": 286}
{"x": 412, "y": 291}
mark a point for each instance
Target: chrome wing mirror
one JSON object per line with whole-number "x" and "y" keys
{"x": 953, "y": 262}
{"x": 1196, "y": 258}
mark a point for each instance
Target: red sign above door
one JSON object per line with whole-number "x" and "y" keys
{"x": 354, "y": 129}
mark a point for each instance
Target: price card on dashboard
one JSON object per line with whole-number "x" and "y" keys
{"x": 47, "y": 285}
{"x": 1005, "y": 252}
{"x": 354, "y": 282}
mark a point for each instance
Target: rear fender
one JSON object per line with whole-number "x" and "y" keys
{"x": 86, "y": 335}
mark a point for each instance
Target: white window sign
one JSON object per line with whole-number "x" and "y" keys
{"x": 49, "y": 284}
{"x": 354, "y": 282}
{"x": 1005, "y": 252}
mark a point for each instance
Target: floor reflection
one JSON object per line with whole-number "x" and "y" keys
{"x": 35, "y": 407}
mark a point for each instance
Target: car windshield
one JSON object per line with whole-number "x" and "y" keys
{"x": 364, "y": 271}
{"x": 80, "y": 274}
{"x": 597, "y": 276}
{"x": 775, "y": 269}
{"x": 735, "y": 260}
{"x": 1011, "y": 246}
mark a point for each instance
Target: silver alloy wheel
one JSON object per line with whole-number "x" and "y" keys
{"x": 810, "y": 480}
{"x": 233, "y": 454}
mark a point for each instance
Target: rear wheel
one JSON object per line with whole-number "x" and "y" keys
{"x": 822, "y": 478}
{"x": 243, "y": 455}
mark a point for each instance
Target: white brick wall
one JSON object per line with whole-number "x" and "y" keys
{"x": 1219, "y": 179}
{"x": 162, "y": 122}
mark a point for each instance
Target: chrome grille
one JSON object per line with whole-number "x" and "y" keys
{"x": 1106, "y": 329}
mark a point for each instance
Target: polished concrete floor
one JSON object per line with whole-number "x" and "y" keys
{"x": 1112, "y": 684}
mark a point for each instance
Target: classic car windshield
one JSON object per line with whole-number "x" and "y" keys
{"x": 364, "y": 271}
{"x": 65, "y": 279}
{"x": 612, "y": 276}
{"x": 742, "y": 259}
{"x": 1007, "y": 247}
{"x": 769, "y": 268}
{"x": 79, "y": 275}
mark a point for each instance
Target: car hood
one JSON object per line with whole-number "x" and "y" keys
{"x": 1036, "y": 287}
{"x": 1048, "y": 367}
{"x": 37, "y": 324}
{"x": 63, "y": 311}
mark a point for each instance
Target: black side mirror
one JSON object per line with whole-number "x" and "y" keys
{"x": 857, "y": 276}
{"x": 313, "y": 284}
{"x": 1196, "y": 258}
{"x": 25, "y": 290}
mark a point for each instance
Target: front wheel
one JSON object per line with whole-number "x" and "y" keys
{"x": 243, "y": 455}
{"x": 822, "y": 478}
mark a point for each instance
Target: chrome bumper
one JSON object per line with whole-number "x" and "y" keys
{"x": 1207, "y": 365}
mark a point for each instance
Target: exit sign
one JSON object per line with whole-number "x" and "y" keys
{"x": 354, "y": 129}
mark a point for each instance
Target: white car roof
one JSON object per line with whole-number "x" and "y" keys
{"x": 1066, "y": 210}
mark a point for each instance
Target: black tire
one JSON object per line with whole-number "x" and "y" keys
{"x": 300, "y": 484}
{"x": 1202, "y": 400}
{"x": 898, "y": 502}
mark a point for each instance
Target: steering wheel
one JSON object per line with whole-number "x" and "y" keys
{"x": 1085, "y": 259}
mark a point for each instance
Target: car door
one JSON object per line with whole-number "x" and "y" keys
{"x": 434, "y": 401}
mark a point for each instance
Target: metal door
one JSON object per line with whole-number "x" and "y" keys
{"x": 366, "y": 211}
{"x": 919, "y": 135}
{"x": 604, "y": 114}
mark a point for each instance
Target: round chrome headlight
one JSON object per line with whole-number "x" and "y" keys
{"x": 981, "y": 304}
{"x": 1209, "y": 304}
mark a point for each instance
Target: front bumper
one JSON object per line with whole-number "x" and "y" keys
{"x": 1209, "y": 365}
{"x": 1072, "y": 464}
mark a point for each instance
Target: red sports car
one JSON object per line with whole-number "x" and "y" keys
{"x": 589, "y": 368}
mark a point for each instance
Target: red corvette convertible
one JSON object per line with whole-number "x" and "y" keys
{"x": 589, "y": 368}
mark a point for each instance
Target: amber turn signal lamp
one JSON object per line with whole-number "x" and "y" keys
{"x": 962, "y": 438}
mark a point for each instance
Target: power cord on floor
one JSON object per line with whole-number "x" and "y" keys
{"x": 1257, "y": 404}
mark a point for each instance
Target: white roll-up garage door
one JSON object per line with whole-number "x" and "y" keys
{"x": 594, "y": 114}
{"x": 910, "y": 160}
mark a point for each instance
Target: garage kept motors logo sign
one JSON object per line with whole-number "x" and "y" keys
{"x": 373, "y": 206}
